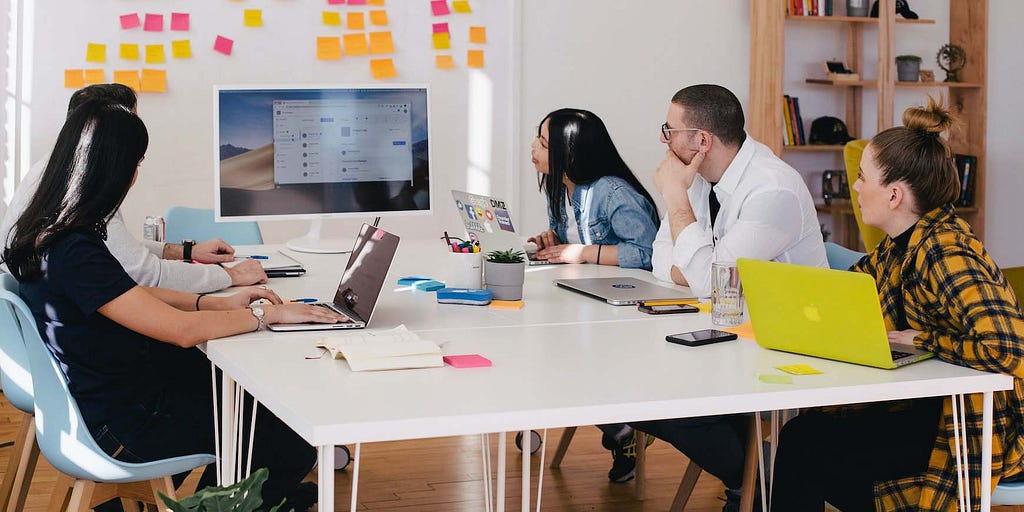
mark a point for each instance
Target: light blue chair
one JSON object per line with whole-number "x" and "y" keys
{"x": 841, "y": 258}
{"x": 65, "y": 441}
{"x": 17, "y": 385}
{"x": 198, "y": 224}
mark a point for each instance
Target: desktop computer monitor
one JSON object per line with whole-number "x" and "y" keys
{"x": 320, "y": 152}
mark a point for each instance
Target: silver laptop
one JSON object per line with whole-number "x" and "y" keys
{"x": 361, "y": 283}
{"x": 489, "y": 220}
{"x": 622, "y": 291}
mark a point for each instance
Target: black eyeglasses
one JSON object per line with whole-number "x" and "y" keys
{"x": 667, "y": 132}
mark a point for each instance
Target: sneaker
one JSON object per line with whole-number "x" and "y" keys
{"x": 732, "y": 500}
{"x": 623, "y": 456}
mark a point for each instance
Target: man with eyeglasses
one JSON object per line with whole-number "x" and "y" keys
{"x": 727, "y": 196}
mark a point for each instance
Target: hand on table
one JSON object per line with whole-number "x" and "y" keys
{"x": 213, "y": 251}
{"x": 545, "y": 239}
{"x": 563, "y": 253}
{"x": 246, "y": 272}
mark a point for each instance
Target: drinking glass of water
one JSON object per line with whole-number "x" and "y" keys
{"x": 726, "y": 295}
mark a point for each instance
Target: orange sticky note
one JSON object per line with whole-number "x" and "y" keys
{"x": 181, "y": 49}
{"x": 379, "y": 18}
{"x": 96, "y": 52}
{"x": 382, "y": 68}
{"x": 155, "y": 54}
{"x": 442, "y": 41}
{"x": 331, "y": 18}
{"x": 381, "y": 43}
{"x": 129, "y": 51}
{"x": 356, "y": 21}
{"x": 95, "y": 76}
{"x": 378, "y": 3}
{"x": 154, "y": 80}
{"x": 74, "y": 79}
{"x": 253, "y": 17}
{"x": 478, "y": 35}
{"x": 475, "y": 58}
{"x": 461, "y": 6}
{"x": 328, "y": 48}
{"x": 444, "y": 62}
{"x": 127, "y": 77}
{"x": 355, "y": 44}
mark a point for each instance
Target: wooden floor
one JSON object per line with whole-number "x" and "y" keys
{"x": 446, "y": 475}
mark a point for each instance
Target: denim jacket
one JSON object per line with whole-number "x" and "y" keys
{"x": 610, "y": 212}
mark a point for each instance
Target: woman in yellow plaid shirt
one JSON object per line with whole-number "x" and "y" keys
{"x": 941, "y": 291}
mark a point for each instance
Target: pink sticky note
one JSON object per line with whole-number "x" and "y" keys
{"x": 223, "y": 45}
{"x": 154, "y": 23}
{"x": 467, "y": 361}
{"x": 357, "y": 2}
{"x": 130, "y": 21}
{"x": 180, "y": 21}
{"x": 335, "y": 2}
{"x": 439, "y": 7}
{"x": 440, "y": 28}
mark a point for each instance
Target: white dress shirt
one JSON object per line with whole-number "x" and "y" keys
{"x": 141, "y": 260}
{"x": 767, "y": 213}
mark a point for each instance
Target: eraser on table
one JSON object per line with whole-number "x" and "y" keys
{"x": 470, "y": 296}
{"x": 411, "y": 280}
{"x": 467, "y": 361}
{"x": 507, "y": 304}
{"x": 428, "y": 286}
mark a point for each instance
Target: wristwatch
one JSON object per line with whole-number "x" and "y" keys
{"x": 257, "y": 312}
{"x": 186, "y": 249}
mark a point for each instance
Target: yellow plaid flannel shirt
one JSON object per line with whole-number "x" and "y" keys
{"x": 968, "y": 315}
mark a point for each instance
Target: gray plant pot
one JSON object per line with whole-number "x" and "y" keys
{"x": 505, "y": 280}
{"x": 857, "y": 7}
{"x": 908, "y": 70}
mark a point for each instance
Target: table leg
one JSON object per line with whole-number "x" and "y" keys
{"x": 986, "y": 452}
{"x": 325, "y": 478}
{"x": 526, "y": 470}
{"x": 227, "y": 430}
{"x": 500, "y": 495}
{"x": 216, "y": 425}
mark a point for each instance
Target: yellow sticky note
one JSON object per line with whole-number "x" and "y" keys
{"x": 155, "y": 53}
{"x": 379, "y": 18}
{"x": 154, "y": 80}
{"x": 328, "y": 48}
{"x": 461, "y": 6}
{"x": 331, "y": 18}
{"x": 744, "y": 330}
{"x": 772, "y": 378}
{"x": 378, "y": 3}
{"x": 355, "y": 44}
{"x": 181, "y": 49}
{"x": 478, "y": 35}
{"x": 799, "y": 369}
{"x": 381, "y": 43}
{"x": 253, "y": 17}
{"x": 127, "y": 77}
{"x": 444, "y": 62}
{"x": 130, "y": 51}
{"x": 475, "y": 58}
{"x": 382, "y": 68}
{"x": 95, "y": 76}
{"x": 356, "y": 21}
{"x": 442, "y": 41}
{"x": 96, "y": 52}
{"x": 74, "y": 79}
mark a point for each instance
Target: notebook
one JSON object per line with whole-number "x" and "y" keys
{"x": 488, "y": 220}
{"x": 622, "y": 291}
{"x": 832, "y": 314}
{"x": 395, "y": 349}
{"x": 361, "y": 283}
{"x": 274, "y": 263}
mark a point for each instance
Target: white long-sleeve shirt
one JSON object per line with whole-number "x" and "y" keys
{"x": 142, "y": 260}
{"x": 767, "y": 213}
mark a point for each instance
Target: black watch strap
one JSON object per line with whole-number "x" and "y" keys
{"x": 186, "y": 249}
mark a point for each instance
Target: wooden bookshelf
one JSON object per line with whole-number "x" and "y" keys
{"x": 968, "y": 28}
{"x": 814, "y": 148}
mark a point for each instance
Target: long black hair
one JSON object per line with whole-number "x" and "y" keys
{"x": 580, "y": 148}
{"x": 90, "y": 170}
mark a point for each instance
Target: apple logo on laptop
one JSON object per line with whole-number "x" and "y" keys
{"x": 812, "y": 314}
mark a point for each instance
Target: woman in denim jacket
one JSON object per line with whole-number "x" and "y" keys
{"x": 598, "y": 211}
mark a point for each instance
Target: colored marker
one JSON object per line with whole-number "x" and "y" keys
{"x": 252, "y": 257}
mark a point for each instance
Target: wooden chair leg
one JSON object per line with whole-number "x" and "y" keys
{"x": 641, "y": 465}
{"x": 750, "y": 467}
{"x": 686, "y": 486}
{"x": 81, "y": 496}
{"x": 21, "y": 466}
{"x": 563, "y": 446}
{"x": 163, "y": 485}
{"x": 61, "y": 494}
{"x": 130, "y": 505}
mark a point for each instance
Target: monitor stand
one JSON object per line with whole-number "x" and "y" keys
{"x": 313, "y": 242}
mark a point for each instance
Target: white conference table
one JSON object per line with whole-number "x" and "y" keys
{"x": 563, "y": 360}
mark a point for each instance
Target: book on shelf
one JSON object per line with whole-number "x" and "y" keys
{"x": 788, "y": 120}
{"x": 395, "y": 349}
{"x": 967, "y": 170}
{"x": 794, "y": 125}
{"x": 811, "y": 7}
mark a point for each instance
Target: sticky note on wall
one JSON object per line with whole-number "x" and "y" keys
{"x": 478, "y": 35}
{"x": 381, "y": 43}
{"x": 331, "y": 18}
{"x": 223, "y": 45}
{"x": 335, "y": 2}
{"x": 355, "y": 44}
{"x": 441, "y": 27}
{"x": 74, "y": 78}
{"x": 180, "y": 21}
{"x": 442, "y": 41}
{"x": 439, "y": 7}
{"x": 461, "y": 7}
{"x": 357, "y": 2}
{"x": 355, "y": 21}
{"x": 378, "y": 3}
{"x": 129, "y": 51}
{"x": 155, "y": 54}
{"x": 154, "y": 23}
{"x": 181, "y": 49}
{"x": 253, "y": 18}
{"x": 444, "y": 62}
{"x": 96, "y": 52}
{"x": 328, "y": 48}
{"x": 129, "y": 21}
{"x": 382, "y": 68}
{"x": 95, "y": 76}
{"x": 475, "y": 58}
{"x": 127, "y": 77}
{"x": 379, "y": 18}
{"x": 153, "y": 80}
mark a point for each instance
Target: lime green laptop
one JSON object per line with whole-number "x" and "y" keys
{"x": 833, "y": 314}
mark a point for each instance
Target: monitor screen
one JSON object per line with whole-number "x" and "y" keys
{"x": 308, "y": 152}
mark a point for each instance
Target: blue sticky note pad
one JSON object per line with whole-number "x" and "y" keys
{"x": 428, "y": 286}
{"x": 471, "y": 296}
{"x": 411, "y": 280}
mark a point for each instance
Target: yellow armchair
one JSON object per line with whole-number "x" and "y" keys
{"x": 851, "y": 155}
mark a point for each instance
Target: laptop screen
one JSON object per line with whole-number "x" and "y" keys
{"x": 366, "y": 271}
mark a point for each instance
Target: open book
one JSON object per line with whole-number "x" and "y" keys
{"x": 389, "y": 350}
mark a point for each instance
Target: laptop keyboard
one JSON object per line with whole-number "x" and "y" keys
{"x": 896, "y": 354}
{"x": 328, "y": 306}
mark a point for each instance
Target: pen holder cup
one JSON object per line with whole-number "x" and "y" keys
{"x": 465, "y": 270}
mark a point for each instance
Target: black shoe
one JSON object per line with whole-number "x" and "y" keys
{"x": 732, "y": 500}
{"x": 623, "y": 456}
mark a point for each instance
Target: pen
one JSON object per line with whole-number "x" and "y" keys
{"x": 446, "y": 239}
{"x": 252, "y": 257}
{"x": 308, "y": 301}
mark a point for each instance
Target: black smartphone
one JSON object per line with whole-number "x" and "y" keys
{"x": 698, "y": 338}
{"x": 666, "y": 309}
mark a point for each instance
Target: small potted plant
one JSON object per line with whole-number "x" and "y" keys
{"x": 243, "y": 496}
{"x": 908, "y": 68}
{"x": 504, "y": 272}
